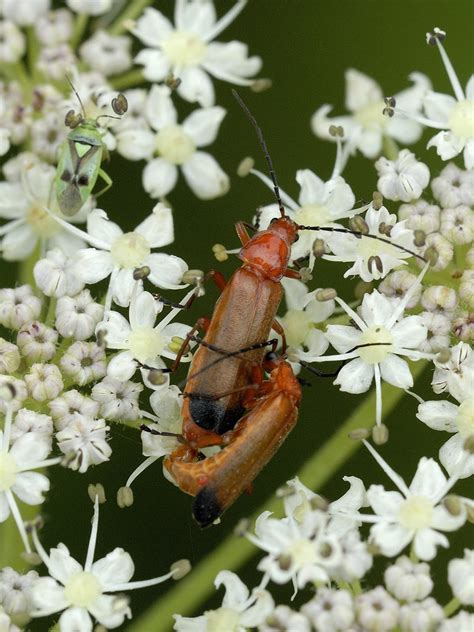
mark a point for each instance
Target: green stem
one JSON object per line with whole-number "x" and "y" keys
{"x": 33, "y": 51}
{"x": 17, "y": 72}
{"x": 128, "y": 80}
{"x": 25, "y": 271}
{"x": 130, "y": 13}
{"x": 80, "y": 26}
{"x": 186, "y": 596}
{"x": 390, "y": 148}
{"x": 451, "y": 607}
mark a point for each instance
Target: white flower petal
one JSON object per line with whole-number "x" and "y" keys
{"x": 361, "y": 90}
{"x": 312, "y": 187}
{"x": 48, "y": 595}
{"x": 75, "y": 619}
{"x": 205, "y": 177}
{"x": 390, "y": 538}
{"x": 30, "y": 448}
{"x": 118, "y": 330}
{"x": 355, "y": 377}
{"x": 115, "y": 568}
{"x": 439, "y": 415}
{"x": 108, "y": 612}
{"x": 410, "y": 332}
{"x": 30, "y": 487}
{"x": 203, "y": 125}
{"x": 100, "y": 227}
{"x": 426, "y": 541}
{"x": 18, "y": 243}
{"x": 155, "y": 64}
{"x": 384, "y": 503}
{"x": 92, "y": 265}
{"x": 159, "y": 177}
{"x": 196, "y": 86}
{"x": 157, "y": 228}
{"x": 136, "y": 144}
{"x": 61, "y": 565}
{"x": 122, "y": 366}
{"x": 236, "y": 592}
{"x": 123, "y": 287}
{"x": 396, "y": 371}
{"x": 343, "y": 337}
{"x": 160, "y": 110}
{"x": 447, "y": 145}
{"x": 429, "y": 479}
{"x": 152, "y": 27}
{"x": 454, "y": 458}
{"x": 143, "y": 311}
{"x": 438, "y": 106}
{"x": 166, "y": 270}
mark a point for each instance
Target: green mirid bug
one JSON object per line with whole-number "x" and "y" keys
{"x": 80, "y": 158}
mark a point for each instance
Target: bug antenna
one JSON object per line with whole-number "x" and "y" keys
{"x": 77, "y": 95}
{"x": 266, "y": 153}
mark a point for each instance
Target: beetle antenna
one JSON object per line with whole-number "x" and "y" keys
{"x": 266, "y": 153}
{"x": 77, "y": 95}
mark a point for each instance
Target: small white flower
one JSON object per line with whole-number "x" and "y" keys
{"x": 453, "y": 115}
{"x": 55, "y": 274}
{"x": 141, "y": 341}
{"x": 84, "y": 362}
{"x": 30, "y": 208}
{"x": 90, "y": 7}
{"x": 439, "y": 299}
{"x": 84, "y": 442}
{"x": 64, "y": 408}
{"x": 6, "y": 624}
{"x": 187, "y": 50}
{"x": 366, "y": 127}
{"x": 407, "y": 580}
{"x": 37, "y": 342}
{"x": 9, "y": 357}
{"x": 29, "y": 421}
{"x": 415, "y": 514}
{"x": 170, "y": 146}
{"x": 284, "y": 618}
{"x": 356, "y": 559}
{"x": 372, "y": 348}
{"x": 18, "y": 306}
{"x": 457, "y": 419}
{"x": 457, "y": 374}
{"x": 330, "y": 610}
{"x": 77, "y": 316}
{"x": 462, "y": 621}
{"x": 18, "y": 460}
{"x": 375, "y": 256}
{"x": 443, "y": 248}
{"x": 24, "y": 12}
{"x": 420, "y": 216}
{"x": 402, "y": 179}
{"x": 13, "y": 392}
{"x": 438, "y": 328}
{"x": 118, "y": 254}
{"x": 457, "y": 224}
{"x": 12, "y": 43}
{"x": 81, "y": 592}
{"x": 376, "y": 610}
{"x": 461, "y": 578}
{"x": 240, "y": 610}
{"x": 44, "y": 382}
{"x": 299, "y": 322}
{"x": 15, "y": 592}
{"x": 54, "y": 28}
{"x": 56, "y": 61}
{"x": 397, "y": 284}
{"x": 301, "y": 551}
{"x": 118, "y": 399}
{"x": 108, "y": 54}
{"x": 454, "y": 186}
{"x": 421, "y": 616}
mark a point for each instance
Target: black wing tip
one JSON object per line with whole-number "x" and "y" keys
{"x": 206, "y": 507}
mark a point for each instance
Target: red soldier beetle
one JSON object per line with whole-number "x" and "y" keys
{"x": 242, "y": 319}
{"x": 217, "y": 481}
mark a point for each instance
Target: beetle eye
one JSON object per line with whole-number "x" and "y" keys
{"x": 273, "y": 220}
{"x": 83, "y": 180}
{"x": 271, "y": 356}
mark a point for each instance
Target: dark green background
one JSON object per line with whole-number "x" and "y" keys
{"x": 306, "y": 45}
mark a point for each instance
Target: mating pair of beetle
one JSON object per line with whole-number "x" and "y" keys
{"x": 227, "y": 401}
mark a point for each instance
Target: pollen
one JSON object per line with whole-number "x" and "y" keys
{"x": 130, "y": 250}
{"x": 381, "y": 341}
{"x": 184, "y": 49}
{"x": 145, "y": 343}
{"x": 416, "y": 513}
{"x": 461, "y": 120}
{"x": 312, "y": 215}
{"x": 174, "y": 145}
{"x": 41, "y": 222}
{"x": 82, "y": 590}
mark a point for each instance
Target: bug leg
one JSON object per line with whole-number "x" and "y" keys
{"x": 108, "y": 182}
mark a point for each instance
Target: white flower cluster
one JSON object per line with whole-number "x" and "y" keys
{"x": 77, "y": 357}
{"x": 319, "y": 547}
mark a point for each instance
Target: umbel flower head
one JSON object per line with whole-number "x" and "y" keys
{"x": 81, "y": 592}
